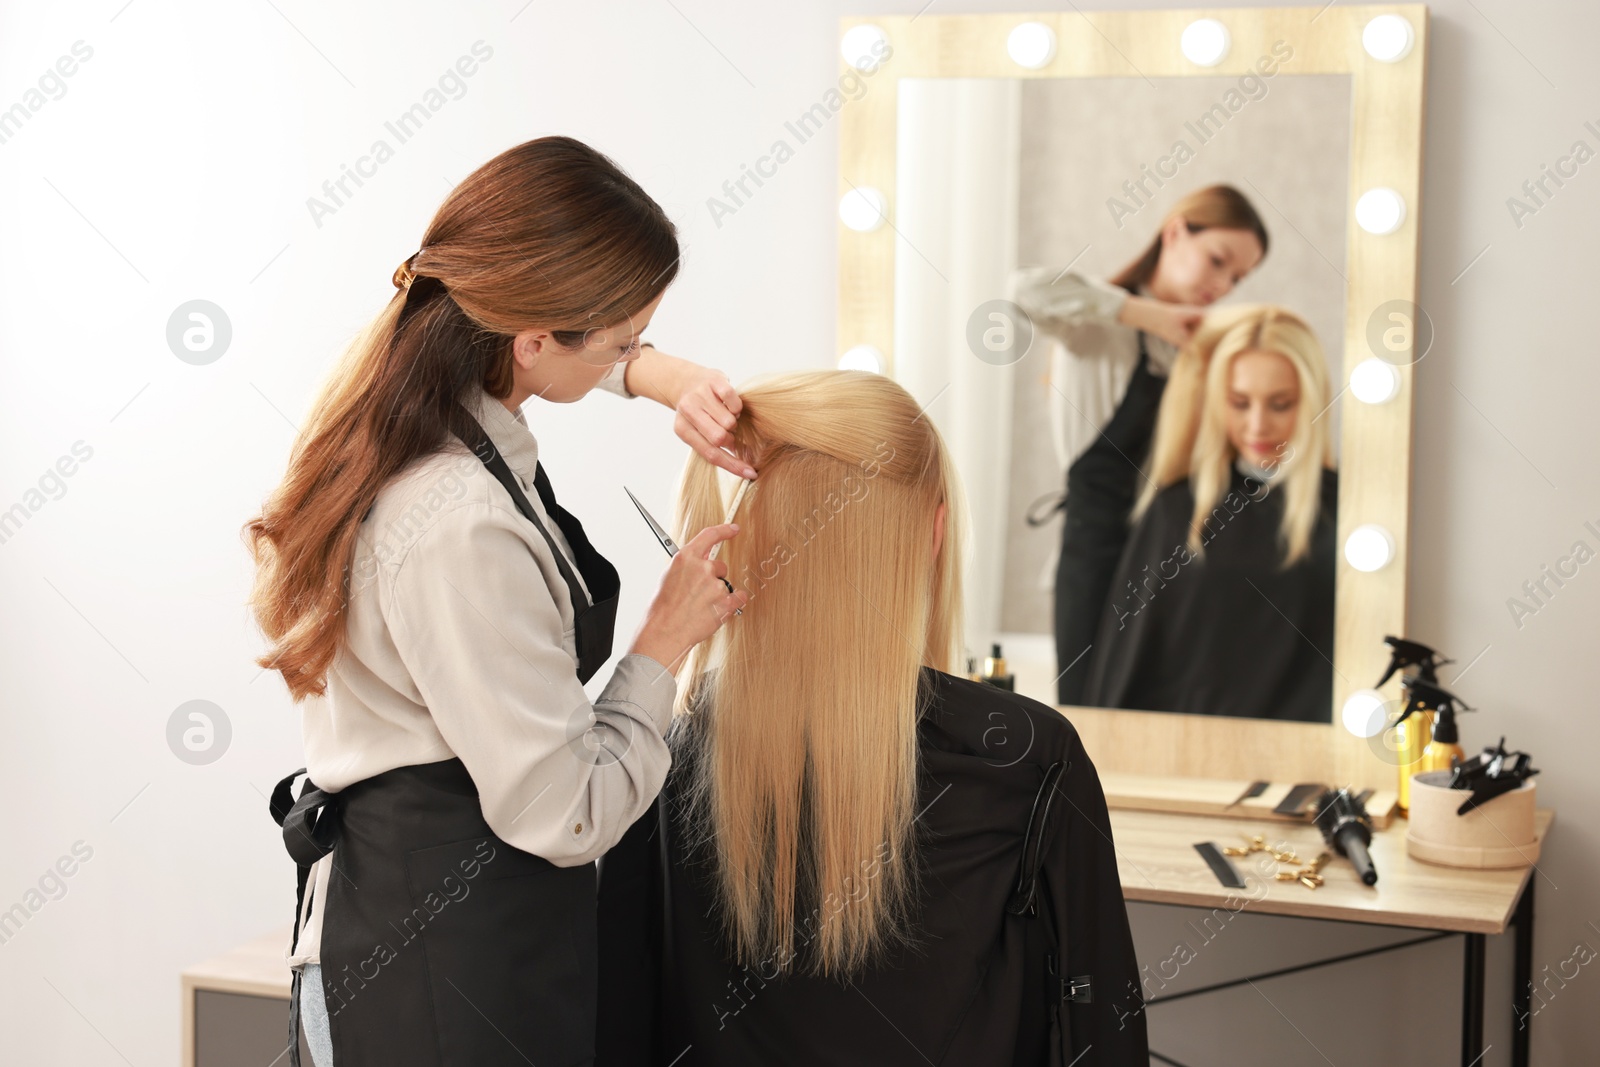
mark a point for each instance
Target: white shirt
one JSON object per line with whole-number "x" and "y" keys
{"x": 460, "y": 642}
{"x": 1092, "y": 355}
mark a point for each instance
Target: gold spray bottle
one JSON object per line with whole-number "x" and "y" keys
{"x": 1413, "y": 730}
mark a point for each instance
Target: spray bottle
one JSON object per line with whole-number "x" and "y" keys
{"x": 1444, "y": 751}
{"x": 1414, "y": 729}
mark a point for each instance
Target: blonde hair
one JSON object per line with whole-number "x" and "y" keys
{"x": 802, "y": 712}
{"x": 1191, "y": 434}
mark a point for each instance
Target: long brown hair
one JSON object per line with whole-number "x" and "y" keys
{"x": 550, "y": 234}
{"x": 1215, "y": 206}
{"x": 801, "y": 714}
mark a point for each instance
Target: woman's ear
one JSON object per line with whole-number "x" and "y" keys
{"x": 527, "y": 346}
{"x": 938, "y": 528}
{"x": 1172, "y": 230}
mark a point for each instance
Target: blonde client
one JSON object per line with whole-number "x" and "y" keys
{"x": 1222, "y": 602}
{"x": 858, "y": 857}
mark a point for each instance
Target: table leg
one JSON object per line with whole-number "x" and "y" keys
{"x": 1472, "y": 1000}
{"x": 1522, "y": 979}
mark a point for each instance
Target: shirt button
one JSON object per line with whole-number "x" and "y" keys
{"x": 578, "y": 829}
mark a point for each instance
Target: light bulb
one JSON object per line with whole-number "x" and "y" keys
{"x": 862, "y": 357}
{"x": 1374, "y": 381}
{"x": 1205, "y": 42}
{"x": 1363, "y": 713}
{"x": 1388, "y": 38}
{"x": 1369, "y": 547}
{"x": 1031, "y": 45}
{"x": 1380, "y": 211}
{"x": 862, "y": 46}
{"x": 863, "y": 208}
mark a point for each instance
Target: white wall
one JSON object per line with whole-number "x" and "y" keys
{"x": 177, "y": 165}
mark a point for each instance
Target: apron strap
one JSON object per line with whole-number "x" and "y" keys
{"x": 308, "y": 830}
{"x": 308, "y": 836}
{"x": 474, "y": 437}
{"x": 595, "y": 609}
{"x": 598, "y": 573}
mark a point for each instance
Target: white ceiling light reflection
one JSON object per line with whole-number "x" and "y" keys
{"x": 1205, "y": 42}
{"x": 1374, "y": 381}
{"x": 863, "y": 209}
{"x": 1031, "y": 45}
{"x": 1388, "y": 38}
{"x": 1369, "y": 548}
{"x": 1380, "y": 211}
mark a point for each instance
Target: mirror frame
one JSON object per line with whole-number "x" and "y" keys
{"x": 1375, "y": 447}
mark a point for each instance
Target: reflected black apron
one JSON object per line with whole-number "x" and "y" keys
{"x": 1102, "y": 485}
{"x": 443, "y": 946}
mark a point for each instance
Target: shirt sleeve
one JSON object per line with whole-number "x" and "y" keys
{"x": 477, "y": 627}
{"x": 1058, "y": 301}
{"x": 616, "y": 380}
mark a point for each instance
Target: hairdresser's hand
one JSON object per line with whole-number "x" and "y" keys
{"x": 692, "y": 603}
{"x": 1175, "y": 323}
{"x": 707, "y": 406}
{"x": 708, "y": 409}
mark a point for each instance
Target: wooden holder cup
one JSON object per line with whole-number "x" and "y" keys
{"x": 1496, "y": 834}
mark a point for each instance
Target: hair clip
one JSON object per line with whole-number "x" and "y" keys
{"x": 403, "y": 274}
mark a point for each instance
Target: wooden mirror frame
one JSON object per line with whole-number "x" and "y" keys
{"x": 1375, "y": 446}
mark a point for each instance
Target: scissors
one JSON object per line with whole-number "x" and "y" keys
{"x": 672, "y": 546}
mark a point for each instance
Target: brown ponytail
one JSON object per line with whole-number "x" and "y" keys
{"x": 548, "y": 234}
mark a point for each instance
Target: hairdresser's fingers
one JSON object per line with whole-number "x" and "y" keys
{"x": 729, "y": 395}
{"x": 711, "y": 453}
{"x": 719, "y": 569}
{"x": 714, "y": 397}
{"x": 709, "y": 424}
{"x": 700, "y": 544}
{"x": 706, "y": 395}
{"x": 730, "y": 603}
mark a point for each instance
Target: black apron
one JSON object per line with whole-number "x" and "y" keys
{"x": 443, "y": 945}
{"x": 1102, "y": 485}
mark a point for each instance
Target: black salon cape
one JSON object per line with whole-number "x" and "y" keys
{"x": 975, "y": 992}
{"x": 1228, "y": 633}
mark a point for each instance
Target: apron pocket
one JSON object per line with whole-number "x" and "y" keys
{"x": 512, "y": 954}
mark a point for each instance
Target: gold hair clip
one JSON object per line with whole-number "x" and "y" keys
{"x": 403, "y": 274}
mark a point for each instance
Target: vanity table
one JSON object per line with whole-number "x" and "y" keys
{"x": 1157, "y": 863}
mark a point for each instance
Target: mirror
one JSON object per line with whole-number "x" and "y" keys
{"x": 1021, "y": 163}
{"x": 1084, "y": 173}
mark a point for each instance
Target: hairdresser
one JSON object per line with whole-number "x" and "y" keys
{"x": 436, "y": 613}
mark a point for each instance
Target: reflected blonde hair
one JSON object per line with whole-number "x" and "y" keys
{"x": 1191, "y": 434}
{"x": 801, "y": 714}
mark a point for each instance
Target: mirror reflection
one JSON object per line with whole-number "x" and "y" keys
{"x": 1134, "y": 290}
